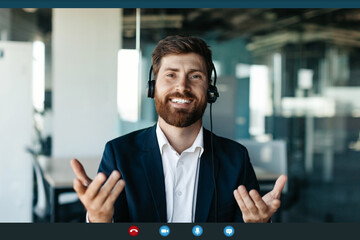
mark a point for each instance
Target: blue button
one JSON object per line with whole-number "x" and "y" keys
{"x": 164, "y": 231}
{"x": 229, "y": 231}
{"x": 197, "y": 230}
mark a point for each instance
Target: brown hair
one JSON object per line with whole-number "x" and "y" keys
{"x": 180, "y": 45}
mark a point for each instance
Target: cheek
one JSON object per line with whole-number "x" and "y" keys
{"x": 161, "y": 91}
{"x": 202, "y": 91}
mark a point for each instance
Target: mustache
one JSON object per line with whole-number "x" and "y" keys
{"x": 181, "y": 95}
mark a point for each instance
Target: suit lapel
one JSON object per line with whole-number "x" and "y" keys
{"x": 206, "y": 188}
{"x": 152, "y": 164}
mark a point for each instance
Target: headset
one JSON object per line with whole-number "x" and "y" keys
{"x": 212, "y": 95}
{"x": 212, "y": 92}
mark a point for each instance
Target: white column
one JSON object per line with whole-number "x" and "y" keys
{"x": 16, "y": 126}
{"x": 85, "y": 46}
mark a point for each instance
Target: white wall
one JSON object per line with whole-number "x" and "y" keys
{"x": 85, "y": 46}
{"x": 15, "y": 132}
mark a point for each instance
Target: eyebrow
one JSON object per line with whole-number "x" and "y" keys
{"x": 172, "y": 69}
{"x": 177, "y": 70}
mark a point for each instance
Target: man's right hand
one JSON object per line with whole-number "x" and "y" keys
{"x": 98, "y": 195}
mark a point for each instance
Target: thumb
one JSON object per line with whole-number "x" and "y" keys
{"x": 80, "y": 172}
{"x": 279, "y": 185}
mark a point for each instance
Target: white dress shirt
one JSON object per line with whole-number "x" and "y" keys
{"x": 181, "y": 177}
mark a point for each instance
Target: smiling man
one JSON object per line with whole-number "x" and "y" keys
{"x": 171, "y": 172}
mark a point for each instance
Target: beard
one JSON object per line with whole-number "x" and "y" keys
{"x": 179, "y": 117}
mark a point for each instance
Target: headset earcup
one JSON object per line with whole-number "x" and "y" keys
{"x": 151, "y": 89}
{"x": 212, "y": 94}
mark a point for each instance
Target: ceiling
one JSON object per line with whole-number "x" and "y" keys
{"x": 258, "y": 26}
{"x": 249, "y": 22}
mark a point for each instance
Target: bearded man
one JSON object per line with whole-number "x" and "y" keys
{"x": 176, "y": 171}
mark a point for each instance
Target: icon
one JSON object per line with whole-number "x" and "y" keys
{"x": 197, "y": 230}
{"x": 229, "y": 231}
{"x": 164, "y": 231}
{"x": 133, "y": 230}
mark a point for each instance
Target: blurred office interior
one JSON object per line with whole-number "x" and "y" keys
{"x": 289, "y": 82}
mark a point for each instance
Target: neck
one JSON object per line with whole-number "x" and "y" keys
{"x": 180, "y": 138}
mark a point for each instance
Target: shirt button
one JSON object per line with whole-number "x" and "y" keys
{"x": 181, "y": 163}
{"x": 179, "y": 193}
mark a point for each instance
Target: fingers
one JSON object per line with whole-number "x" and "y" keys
{"x": 101, "y": 189}
{"x": 98, "y": 195}
{"x": 257, "y": 209}
{"x": 245, "y": 202}
{"x": 107, "y": 188}
{"x": 80, "y": 172}
{"x": 264, "y": 211}
{"x": 252, "y": 206}
{"x": 241, "y": 203}
{"x": 279, "y": 185}
{"x": 119, "y": 187}
{"x": 259, "y": 203}
{"x": 79, "y": 187}
{"x": 94, "y": 188}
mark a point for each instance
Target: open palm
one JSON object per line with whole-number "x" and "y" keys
{"x": 255, "y": 208}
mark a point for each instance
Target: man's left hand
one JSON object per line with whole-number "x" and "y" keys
{"x": 257, "y": 209}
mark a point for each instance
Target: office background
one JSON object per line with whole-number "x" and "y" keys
{"x": 71, "y": 79}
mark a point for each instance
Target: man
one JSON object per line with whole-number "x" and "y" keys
{"x": 172, "y": 171}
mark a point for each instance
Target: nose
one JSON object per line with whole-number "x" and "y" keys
{"x": 182, "y": 83}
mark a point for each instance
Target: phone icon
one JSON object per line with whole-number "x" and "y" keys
{"x": 133, "y": 230}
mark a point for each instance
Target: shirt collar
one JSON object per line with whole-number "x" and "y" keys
{"x": 198, "y": 143}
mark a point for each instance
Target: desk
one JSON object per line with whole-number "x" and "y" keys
{"x": 59, "y": 177}
{"x": 265, "y": 177}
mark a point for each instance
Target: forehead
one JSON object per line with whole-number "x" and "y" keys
{"x": 187, "y": 60}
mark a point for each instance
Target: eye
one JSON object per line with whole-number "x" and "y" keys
{"x": 170, "y": 75}
{"x": 196, "y": 76}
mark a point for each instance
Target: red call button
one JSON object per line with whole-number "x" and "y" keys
{"x": 133, "y": 230}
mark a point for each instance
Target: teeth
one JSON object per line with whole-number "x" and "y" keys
{"x": 179, "y": 100}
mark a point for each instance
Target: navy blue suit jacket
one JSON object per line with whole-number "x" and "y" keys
{"x": 137, "y": 157}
